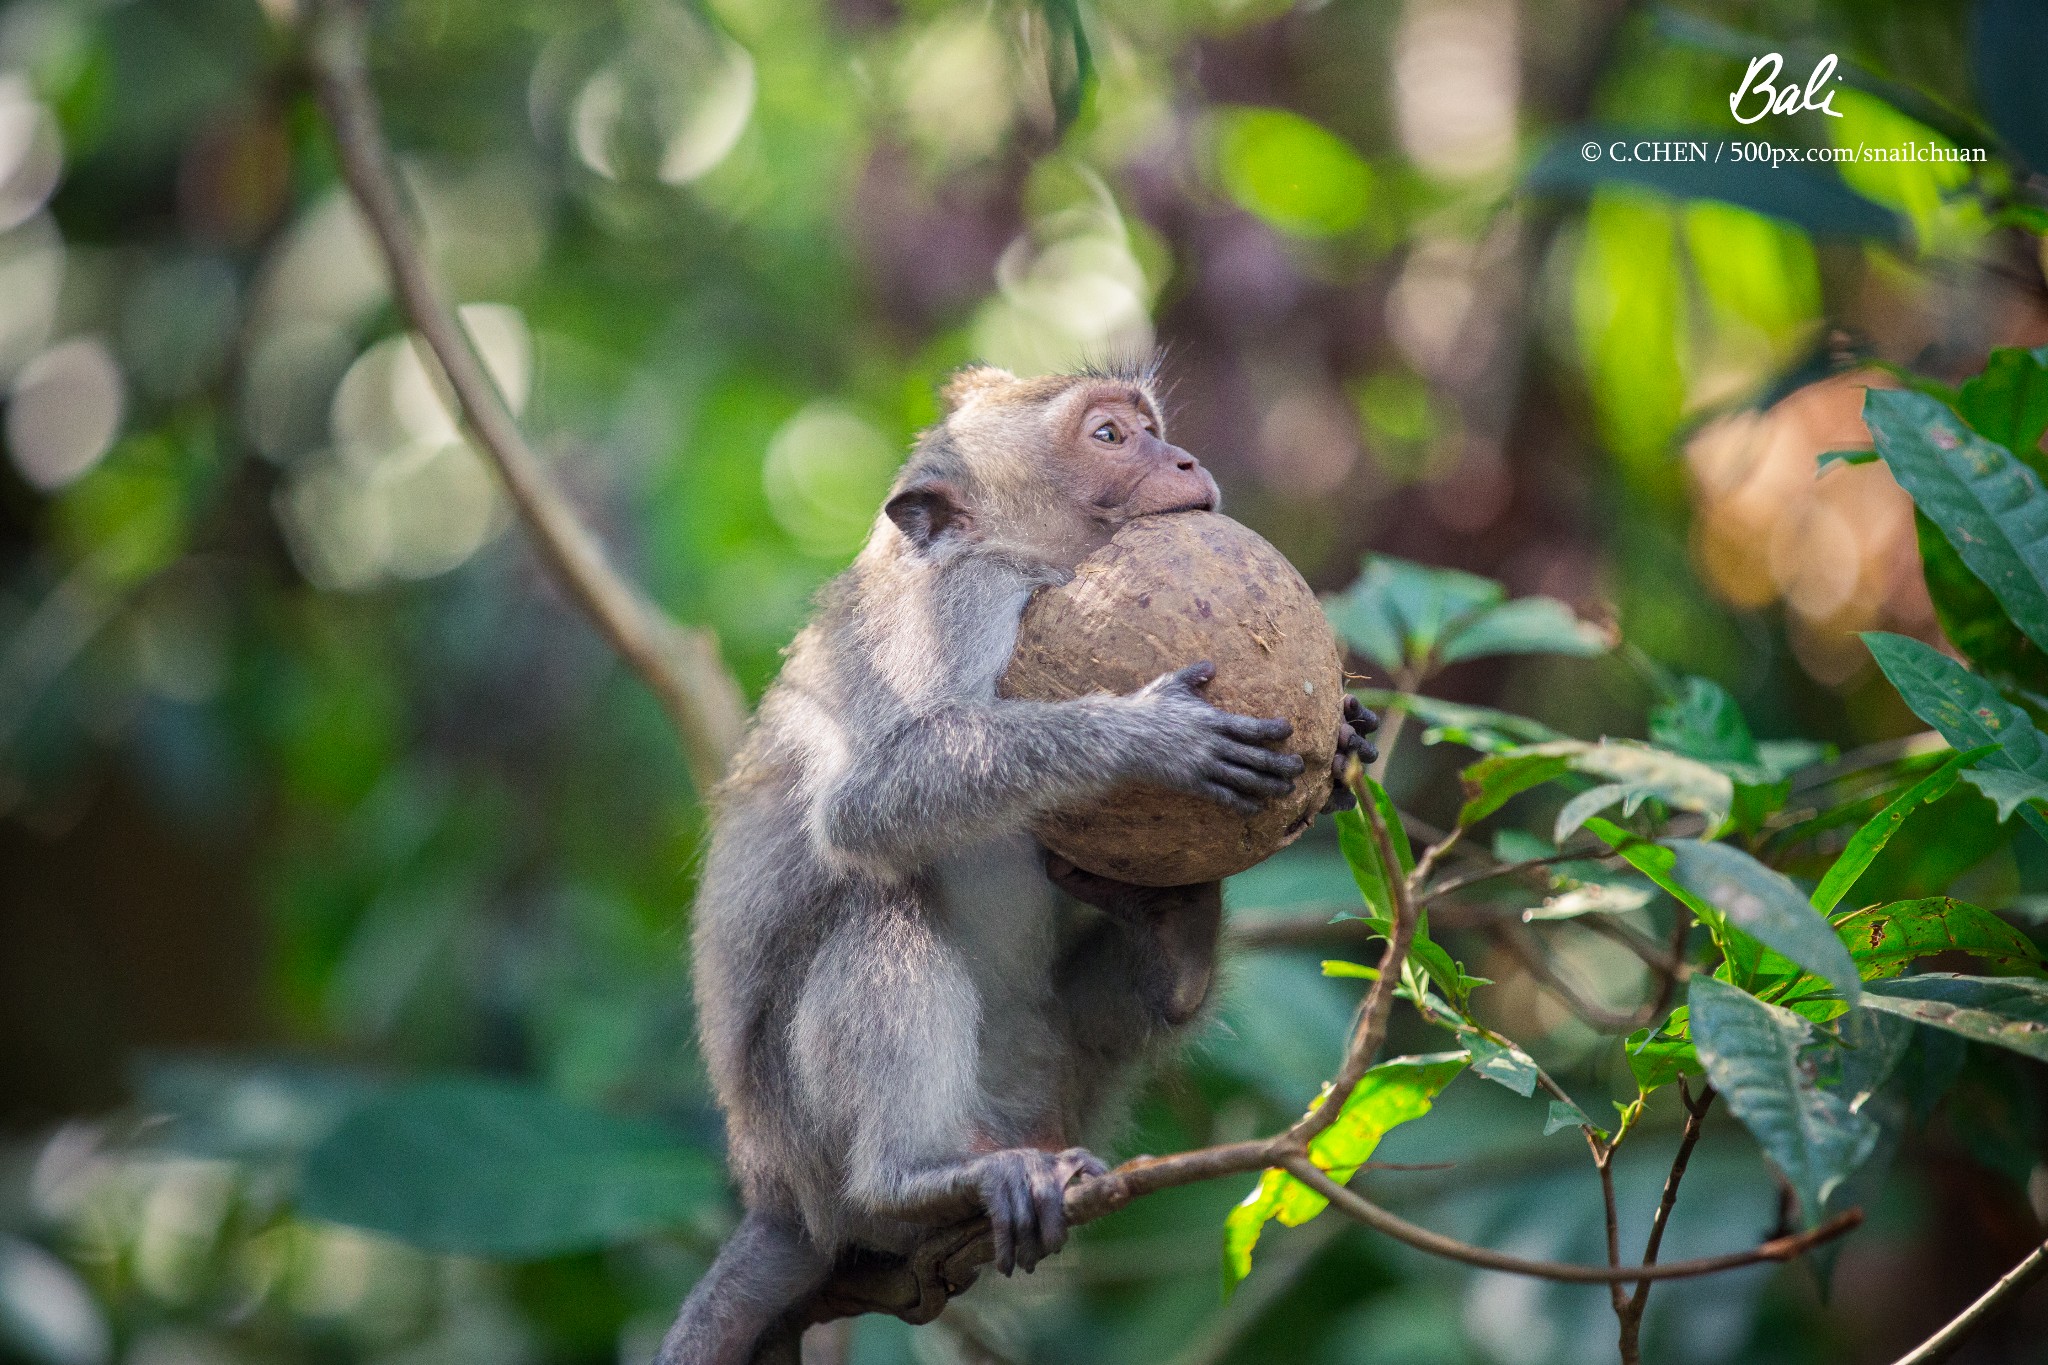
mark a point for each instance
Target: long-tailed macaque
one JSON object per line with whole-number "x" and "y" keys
{"x": 909, "y": 1013}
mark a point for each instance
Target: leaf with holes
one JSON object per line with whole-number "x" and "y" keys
{"x": 1752, "y": 1053}
{"x": 1884, "y": 939}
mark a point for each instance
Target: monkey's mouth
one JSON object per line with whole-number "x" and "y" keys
{"x": 1202, "y": 504}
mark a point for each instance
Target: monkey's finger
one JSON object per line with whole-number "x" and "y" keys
{"x": 1228, "y": 799}
{"x": 1024, "y": 1217}
{"x": 1196, "y": 676}
{"x": 1251, "y": 783}
{"x": 1361, "y": 719}
{"x": 1277, "y": 762}
{"x": 1047, "y": 1194}
{"x": 1003, "y": 1223}
{"x": 1079, "y": 1161}
{"x": 1253, "y": 729}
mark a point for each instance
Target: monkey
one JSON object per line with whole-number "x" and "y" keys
{"x": 910, "y": 1012}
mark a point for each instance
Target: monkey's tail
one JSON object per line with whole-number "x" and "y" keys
{"x": 739, "y": 1312}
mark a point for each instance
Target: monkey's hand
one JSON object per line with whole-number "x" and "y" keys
{"x": 1024, "y": 1189}
{"x": 1200, "y": 748}
{"x": 1351, "y": 743}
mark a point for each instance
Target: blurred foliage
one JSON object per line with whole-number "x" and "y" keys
{"x": 335, "y": 853}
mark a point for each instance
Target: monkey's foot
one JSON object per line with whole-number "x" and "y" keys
{"x": 1023, "y": 1189}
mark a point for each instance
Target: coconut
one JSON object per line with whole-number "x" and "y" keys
{"x": 1166, "y": 592}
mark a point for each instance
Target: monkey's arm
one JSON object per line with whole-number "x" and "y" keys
{"x": 963, "y": 771}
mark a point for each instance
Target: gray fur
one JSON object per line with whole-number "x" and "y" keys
{"x": 891, "y": 992}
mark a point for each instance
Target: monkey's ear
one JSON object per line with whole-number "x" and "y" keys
{"x": 927, "y": 510}
{"x": 974, "y": 382}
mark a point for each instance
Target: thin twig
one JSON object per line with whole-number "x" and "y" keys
{"x": 1631, "y": 1315}
{"x": 1603, "y": 1162}
{"x": 1594, "y": 1015}
{"x": 681, "y": 664}
{"x": 1943, "y": 1344}
{"x": 1436, "y": 1244}
{"x": 1487, "y": 874}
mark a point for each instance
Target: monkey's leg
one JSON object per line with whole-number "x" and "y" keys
{"x": 1158, "y": 957}
{"x": 887, "y": 1043}
{"x": 736, "y": 1314}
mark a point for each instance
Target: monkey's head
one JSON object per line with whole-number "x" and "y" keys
{"x": 1044, "y": 469}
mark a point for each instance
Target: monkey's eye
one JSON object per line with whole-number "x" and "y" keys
{"x": 1107, "y": 434}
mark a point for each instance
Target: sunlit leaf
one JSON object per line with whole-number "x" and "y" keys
{"x": 1885, "y": 938}
{"x": 1391, "y": 1094}
{"x": 2009, "y": 1011}
{"x": 487, "y": 1168}
{"x": 1656, "y": 1059}
{"x": 1765, "y": 905}
{"x": 1752, "y": 1053}
{"x": 1870, "y": 840}
{"x": 1591, "y": 898}
{"x": 1989, "y": 505}
{"x": 1297, "y": 175}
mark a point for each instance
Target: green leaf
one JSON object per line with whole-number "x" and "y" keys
{"x": 1362, "y": 856}
{"x": 1703, "y": 722}
{"x": 2008, "y": 791}
{"x": 1657, "y": 1059}
{"x": 1565, "y": 1114}
{"x": 1357, "y": 971}
{"x": 1752, "y": 1052}
{"x": 1763, "y": 904}
{"x": 1970, "y": 614}
{"x": 490, "y": 1168}
{"x": 1527, "y": 625}
{"x": 1590, "y": 898}
{"x": 1869, "y": 841}
{"x": 1654, "y": 861}
{"x": 1635, "y": 771}
{"x": 1885, "y": 938}
{"x": 1492, "y": 782}
{"x": 1389, "y": 1095}
{"x": 1832, "y": 457}
{"x": 1967, "y": 710}
{"x": 1501, "y": 1062}
{"x": 1397, "y": 611}
{"x": 2009, "y": 1011}
{"x": 1821, "y": 204}
{"x": 2007, "y": 402}
{"x": 1988, "y": 504}
{"x": 1475, "y": 727}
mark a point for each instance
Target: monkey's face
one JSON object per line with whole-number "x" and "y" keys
{"x": 1120, "y": 464}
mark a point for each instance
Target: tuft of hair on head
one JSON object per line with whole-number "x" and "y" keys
{"x": 973, "y": 383}
{"x": 1140, "y": 370}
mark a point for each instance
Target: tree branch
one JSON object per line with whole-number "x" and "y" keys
{"x": 1436, "y": 1244}
{"x": 681, "y": 664}
{"x": 1943, "y": 1344}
